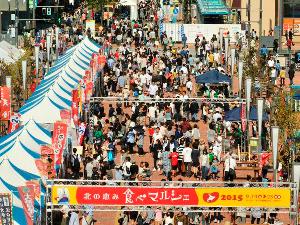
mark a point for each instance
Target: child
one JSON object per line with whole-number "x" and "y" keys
{"x": 214, "y": 168}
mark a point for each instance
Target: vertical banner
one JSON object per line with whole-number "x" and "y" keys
{"x": 8, "y": 81}
{"x": 5, "y": 103}
{"x": 65, "y": 115}
{"x": 48, "y": 41}
{"x": 6, "y": 209}
{"x": 81, "y": 131}
{"x": 24, "y": 71}
{"x": 36, "y": 188}
{"x": 37, "y": 52}
{"x": 241, "y": 65}
{"x": 275, "y": 137}
{"x": 232, "y": 55}
{"x": 243, "y": 116}
{"x": 56, "y": 41}
{"x": 221, "y": 31}
{"x": 14, "y": 122}
{"x": 27, "y": 199}
{"x": 260, "y": 106}
{"x": 248, "y": 85}
{"x": 226, "y": 48}
{"x": 59, "y": 141}
{"x": 75, "y": 101}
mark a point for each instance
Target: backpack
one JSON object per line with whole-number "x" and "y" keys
{"x": 76, "y": 163}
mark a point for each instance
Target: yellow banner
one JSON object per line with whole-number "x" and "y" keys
{"x": 244, "y": 197}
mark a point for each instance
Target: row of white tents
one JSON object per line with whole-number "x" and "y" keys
{"x": 20, "y": 149}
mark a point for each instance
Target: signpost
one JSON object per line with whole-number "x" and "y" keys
{"x": 5, "y": 209}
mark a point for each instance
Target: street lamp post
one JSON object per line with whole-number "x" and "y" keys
{"x": 275, "y": 136}
{"x": 260, "y": 106}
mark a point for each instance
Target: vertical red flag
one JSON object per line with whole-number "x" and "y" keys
{"x": 59, "y": 139}
{"x": 243, "y": 116}
{"x": 27, "y": 199}
{"x": 14, "y": 122}
{"x": 5, "y": 103}
{"x": 36, "y": 187}
{"x": 65, "y": 115}
{"x": 81, "y": 131}
{"x": 74, "y": 112}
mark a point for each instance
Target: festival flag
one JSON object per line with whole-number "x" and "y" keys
{"x": 42, "y": 167}
{"x": 27, "y": 199}
{"x": 59, "y": 139}
{"x": 74, "y": 111}
{"x": 65, "y": 115}
{"x": 14, "y": 122}
{"x": 5, "y": 103}
{"x": 243, "y": 116}
{"x": 36, "y": 187}
{"x": 81, "y": 131}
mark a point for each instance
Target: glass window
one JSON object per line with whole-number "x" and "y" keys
{"x": 291, "y": 8}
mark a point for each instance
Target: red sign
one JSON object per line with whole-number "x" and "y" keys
{"x": 243, "y": 116}
{"x": 42, "y": 167}
{"x": 14, "y": 122}
{"x": 36, "y": 187}
{"x": 81, "y": 131}
{"x": 59, "y": 139}
{"x": 135, "y": 196}
{"x": 74, "y": 112}
{"x": 5, "y": 103}
{"x": 65, "y": 115}
{"x": 46, "y": 150}
{"x": 27, "y": 199}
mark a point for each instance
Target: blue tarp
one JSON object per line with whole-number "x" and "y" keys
{"x": 213, "y": 77}
{"x": 235, "y": 114}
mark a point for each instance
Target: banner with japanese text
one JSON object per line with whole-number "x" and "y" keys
{"x": 27, "y": 199}
{"x": 59, "y": 140}
{"x": 65, "y": 115}
{"x": 5, "y": 209}
{"x": 14, "y": 122}
{"x": 243, "y": 116}
{"x": 170, "y": 196}
{"x": 74, "y": 110}
{"x": 5, "y": 103}
{"x": 81, "y": 131}
{"x": 36, "y": 188}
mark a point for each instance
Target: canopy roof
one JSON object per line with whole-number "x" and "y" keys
{"x": 54, "y": 93}
{"x": 235, "y": 114}
{"x": 213, "y": 77}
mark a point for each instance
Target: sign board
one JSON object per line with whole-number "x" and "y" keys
{"x": 192, "y": 30}
{"x": 5, "y": 209}
{"x": 90, "y": 24}
{"x": 291, "y": 23}
{"x": 267, "y": 41}
{"x": 265, "y": 197}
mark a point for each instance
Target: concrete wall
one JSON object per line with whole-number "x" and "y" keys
{"x": 268, "y": 14}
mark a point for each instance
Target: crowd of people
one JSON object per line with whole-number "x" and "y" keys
{"x": 152, "y": 125}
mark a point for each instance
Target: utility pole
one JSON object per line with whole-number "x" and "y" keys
{"x": 260, "y": 18}
{"x": 33, "y": 14}
{"x": 249, "y": 25}
{"x": 280, "y": 14}
{"x": 16, "y": 21}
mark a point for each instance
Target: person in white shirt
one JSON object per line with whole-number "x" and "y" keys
{"x": 230, "y": 164}
{"x": 152, "y": 113}
{"x": 189, "y": 86}
{"x": 187, "y": 159}
{"x": 157, "y": 135}
{"x": 126, "y": 168}
{"x": 217, "y": 116}
{"x": 74, "y": 219}
{"x": 152, "y": 90}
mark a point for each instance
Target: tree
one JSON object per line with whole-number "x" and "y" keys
{"x": 288, "y": 121}
{"x": 99, "y": 5}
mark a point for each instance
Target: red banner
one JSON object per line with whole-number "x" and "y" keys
{"x": 46, "y": 150}
{"x": 74, "y": 112}
{"x": 65, "y": 115}
{"x": 243, "y": 116}
{"x": 27, "y": 199}
{"x": 36, "y": 187}
{"x": 42, "y": 167}
{"x": 59, "y": 139}
{"x": 5, "y": 103}
{"x": 14, "y": 122}
{"x": 81, "y": 131}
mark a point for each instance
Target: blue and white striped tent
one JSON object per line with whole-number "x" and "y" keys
{"x": 11, "y": 177}
{"x": 22, "y": 146}
{"x": 55, "y": 91}
{"x": 19, "y": 149}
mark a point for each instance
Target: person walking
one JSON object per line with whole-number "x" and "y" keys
{"x": 230, "y": 164}
{"x": 282, "y": 76}
{"x": 292, "y": 74}
{"x": 187, "y": 158}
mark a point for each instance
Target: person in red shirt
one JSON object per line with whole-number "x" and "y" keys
{"x": 174, "y": 161}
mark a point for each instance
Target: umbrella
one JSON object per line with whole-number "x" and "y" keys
{"x": 213, "y": 77}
